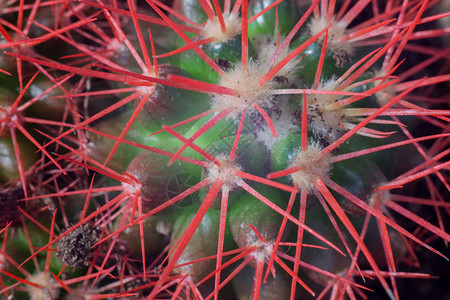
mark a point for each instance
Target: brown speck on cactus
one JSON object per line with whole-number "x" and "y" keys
{"x": 75, "y": 249}
{"x": 9, "y": 205}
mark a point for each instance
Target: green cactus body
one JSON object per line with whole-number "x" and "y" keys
{"x": 202, "y": 244}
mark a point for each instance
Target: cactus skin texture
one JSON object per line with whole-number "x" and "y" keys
{"x": 226, "y": 149}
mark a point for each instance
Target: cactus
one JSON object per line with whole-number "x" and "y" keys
{"x": 245, "y": 149}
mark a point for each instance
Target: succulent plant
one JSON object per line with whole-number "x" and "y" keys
{"x": 245, "y": 149}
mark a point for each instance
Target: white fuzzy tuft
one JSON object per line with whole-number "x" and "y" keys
{"x": 326, "y": 120}
{"x": 266, "y": 48}
{"x": 381, "y": 197}
{"x": 225, "y": 172}
{"x": 312, "y": 167}
{"x": 341, "y": 49}
{"x": 120, "y": 52}
{"x": 213, "y": 29}
{"x": 3, "y": 262}
{"x": 283, "y": 121}
{"x": 263, "y": 253}
{"x": 386, "y": 94}
{"x": 146, "y": 90}
{"x": 131, "y": 189}
{"x": 248, "y": 91}
{"x": 49, "y": 287}
{"x": 164, "y": 228}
